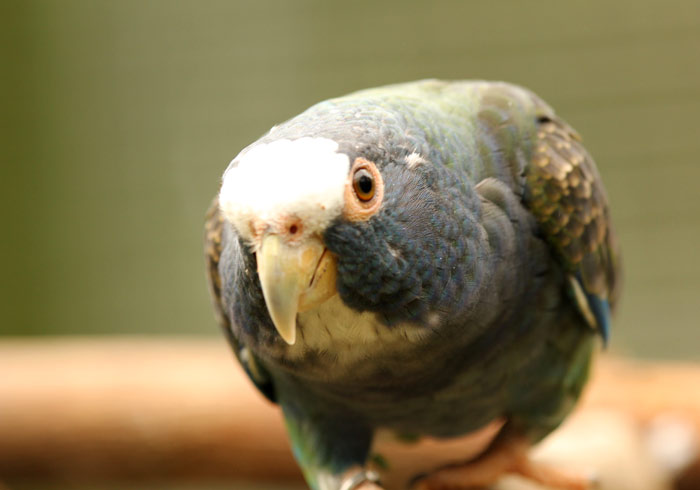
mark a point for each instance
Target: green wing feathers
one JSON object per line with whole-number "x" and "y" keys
{"x": 213, "y": 247}
{"x": 566, "y": 195}
{"x": 212, "y": 253}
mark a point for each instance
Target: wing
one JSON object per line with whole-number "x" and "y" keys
{"x": 213, "y": 245}
{"x": 564, "y": 192}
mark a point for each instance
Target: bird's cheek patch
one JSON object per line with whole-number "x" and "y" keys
{"x": 364, "y": 191}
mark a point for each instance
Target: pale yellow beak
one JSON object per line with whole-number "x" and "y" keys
{"x": 295, "y": 277}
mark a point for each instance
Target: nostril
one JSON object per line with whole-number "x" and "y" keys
{"x": 291, "y": 227}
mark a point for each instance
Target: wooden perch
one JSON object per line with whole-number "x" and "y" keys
{"x": 180, "y": 409}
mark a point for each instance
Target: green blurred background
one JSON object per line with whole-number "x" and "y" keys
{"x": 120, "y": 116}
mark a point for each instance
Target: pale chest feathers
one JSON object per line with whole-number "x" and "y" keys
{"x": 349, "y": 335}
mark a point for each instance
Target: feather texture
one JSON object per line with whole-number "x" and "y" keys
{"x": 466, "y": 298}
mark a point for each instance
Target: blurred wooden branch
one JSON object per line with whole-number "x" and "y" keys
{"x": 161, "y": 408}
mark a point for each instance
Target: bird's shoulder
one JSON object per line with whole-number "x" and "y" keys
{"x": 541, "y": 158}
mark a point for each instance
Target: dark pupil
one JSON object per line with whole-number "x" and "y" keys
{"x": 365, "y": 184}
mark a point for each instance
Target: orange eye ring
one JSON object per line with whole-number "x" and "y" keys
{"x": 364, "y": 190}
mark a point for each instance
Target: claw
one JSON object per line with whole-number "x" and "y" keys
{"x": 506, "y": 456}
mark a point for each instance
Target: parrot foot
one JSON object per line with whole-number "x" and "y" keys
{"x": 370, "y": 486}
{"x": 359, "y": 479}
{"x": 508, "y": 456}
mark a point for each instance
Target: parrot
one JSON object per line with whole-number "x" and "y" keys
{"x": 424, "y": 260}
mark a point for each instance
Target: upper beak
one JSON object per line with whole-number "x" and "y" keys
{"x": 294, "y": 278}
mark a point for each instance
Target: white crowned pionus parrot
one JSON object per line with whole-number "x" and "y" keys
{"x": 425, "y": 259}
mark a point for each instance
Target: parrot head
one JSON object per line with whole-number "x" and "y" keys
{"x": 281, "y": 197}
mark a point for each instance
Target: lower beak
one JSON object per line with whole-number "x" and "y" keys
{"x": 294, "y": 278}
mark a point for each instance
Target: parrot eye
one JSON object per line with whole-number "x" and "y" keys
{"x": 363, "y": 184}
{"x": 364, "y": 190}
